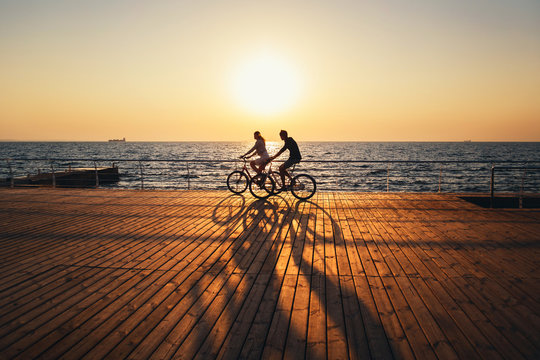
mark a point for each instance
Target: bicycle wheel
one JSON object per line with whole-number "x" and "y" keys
{"x": 277, "y": 181}
{"x": 237, "y": 182}
{"x": 261, "y": 186}
{"x": 303, "y": 186}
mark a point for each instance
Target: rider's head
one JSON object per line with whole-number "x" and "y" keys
{"x": 257, "y": 135}
{"x": 283, "y": 134}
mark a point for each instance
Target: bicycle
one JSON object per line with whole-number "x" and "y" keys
{"x": 260, "y": 185}
{"x": 302, "y": 186}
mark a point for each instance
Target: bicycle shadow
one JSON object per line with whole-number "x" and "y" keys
{"x": 285, "y": 263}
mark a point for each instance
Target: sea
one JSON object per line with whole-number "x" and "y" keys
{"x": 336, "y": 166}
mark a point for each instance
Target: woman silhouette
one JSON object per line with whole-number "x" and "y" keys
{"x": 260, "y": 149}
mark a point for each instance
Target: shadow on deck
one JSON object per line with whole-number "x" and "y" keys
{"x": 198, "y": 274}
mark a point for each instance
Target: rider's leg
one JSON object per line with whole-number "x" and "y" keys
{"x": 259, "y": 164}
{"x": 254, "y": 166}
{"x": 282, "y": 173}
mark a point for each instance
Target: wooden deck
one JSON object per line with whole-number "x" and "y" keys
{"x": 194, "y": 274}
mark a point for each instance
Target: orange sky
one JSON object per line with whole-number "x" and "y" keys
{"x": 366, "y": 71}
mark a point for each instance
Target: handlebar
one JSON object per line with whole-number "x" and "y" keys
{"x": 268, "y": 162}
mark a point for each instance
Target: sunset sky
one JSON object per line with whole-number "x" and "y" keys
{"x": 400, "y": 70}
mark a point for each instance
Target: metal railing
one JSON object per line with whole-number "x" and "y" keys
{"x": 341, "y": 175}
{"x": 519, "y": 172}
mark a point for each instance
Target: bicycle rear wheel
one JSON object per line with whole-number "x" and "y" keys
{"x": 303, "y": 186}
{"x": 262, "y": 186}
{"x": 237, "y": 182}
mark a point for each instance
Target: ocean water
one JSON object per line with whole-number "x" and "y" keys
{"x": 357, "y": 166}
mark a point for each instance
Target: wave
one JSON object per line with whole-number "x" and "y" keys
{"x": 456, "y": 175}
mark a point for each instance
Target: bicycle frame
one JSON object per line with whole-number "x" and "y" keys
{"x": 290, "y": 175}
{"x": 302, "y": 186}
{"x": 245, "y": 169}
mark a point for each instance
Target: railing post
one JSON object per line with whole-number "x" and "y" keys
{"x": 440, "y": 177}
{"x": 492, "y": 186}
{"x": 12, "y": 180}
{"x": 142, "y": 179}
{"x": 97, "y": 175}
{"x": 521, "y": 190}
{"x": 387, "y": 178}
{"x": 188, "y": 177}
{"x": 53, "y": 175}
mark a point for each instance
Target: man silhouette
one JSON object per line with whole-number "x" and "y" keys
{"x": 294, "y": 156}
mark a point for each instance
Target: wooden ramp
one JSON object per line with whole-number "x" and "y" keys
{"x": 195, "y": 274}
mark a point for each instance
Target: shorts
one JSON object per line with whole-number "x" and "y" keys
{"x": 261, "y": 161}
{"x": 290, "y": 162}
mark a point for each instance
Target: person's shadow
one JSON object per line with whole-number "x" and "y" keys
{"x": 279, "y": 233}
{"x": 271, "y": 290}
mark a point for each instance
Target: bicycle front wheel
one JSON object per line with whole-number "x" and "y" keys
{"x": 237, "y": 182}
{"x": 261, "y": 186}
{"x": 303, "y": 186}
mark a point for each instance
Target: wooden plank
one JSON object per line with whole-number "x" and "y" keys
{"x": 373, "y": 328}
{"x": 358, "y": 318}
{"x": 95, "y": 298}
{"x": 352, "y": 314}
{"x": 80, "y": 245}
{"x": 430, "y": 313}
{"x": 440, "y": 270}
{"x": 296, "y": 341}
{"x": 255, "y": 342}
{"x": 336, "y": 336}
{"x": 149, "y": 314}
{"x": 316, "y": 331}
{"x": 71, "y": 322}
{"x": 400, "y": 307}
{"x": 42, "y": 309}
{"x": 177, "y": 336}
{"x": 416, "y": 270}
{"x": 130, "y": 274}
{"x": 234, "y": 340}
{"x": 472, "y": 273}
{"x": 102, "y": 315}
{"x": 281, "y": 324}
{"x": 466, "y": 262}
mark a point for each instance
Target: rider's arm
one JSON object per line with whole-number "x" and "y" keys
{"x": 250, "y": 150}
{"x": 279, "y": 152}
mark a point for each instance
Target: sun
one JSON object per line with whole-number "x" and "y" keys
{"x": 265, "y": 84}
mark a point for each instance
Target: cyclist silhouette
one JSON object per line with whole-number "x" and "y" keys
{"x": 294, "y": 156}
{"x": 260, "y": 149}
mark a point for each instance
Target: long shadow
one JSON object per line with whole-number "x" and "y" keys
{"x": 272, "y": 230}
{"x": 200, "y": 299}
{"x": 346, "y": 314}
{"x": 236, "y": 303}
{"x": 262, "y": 263}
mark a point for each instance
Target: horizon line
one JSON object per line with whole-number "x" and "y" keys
{"x": 325, "y": 141}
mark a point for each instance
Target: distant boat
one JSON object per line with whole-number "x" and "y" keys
{"x": 467, "y": 141}
{"x": 118, "y": 140}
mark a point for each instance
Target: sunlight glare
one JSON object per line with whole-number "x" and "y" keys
{"x": 266, "y": 84}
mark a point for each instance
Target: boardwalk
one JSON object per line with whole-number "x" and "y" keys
{"x": 191, "y": 274}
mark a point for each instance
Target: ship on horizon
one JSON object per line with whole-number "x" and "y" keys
{"x": 118, "y": 140}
